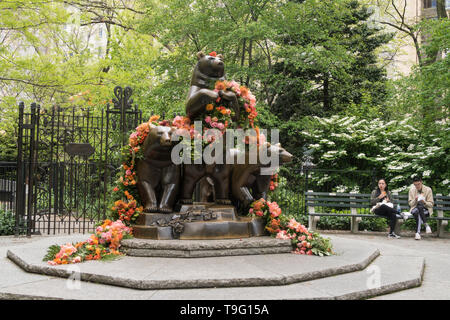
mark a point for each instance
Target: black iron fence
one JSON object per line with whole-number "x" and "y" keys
{"x": 67, "y": 158}
{"x": 8, "y": 175}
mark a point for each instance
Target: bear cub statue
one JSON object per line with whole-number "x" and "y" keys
{"x": 158, "y": 177}
{"x": 256, "y": 177}
{"x": 209, "y": 69}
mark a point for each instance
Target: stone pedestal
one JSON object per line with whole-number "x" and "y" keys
{"x": 198, "y": 221}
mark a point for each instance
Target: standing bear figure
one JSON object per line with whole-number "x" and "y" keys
{"x": 209, "y": 69}
{"x": 248, "y": 176}
{"x": 158, "y": 177}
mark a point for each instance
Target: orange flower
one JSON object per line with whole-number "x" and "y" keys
{"x": 257, "y": 205}
{"x": 244, "y": 90}
{"x": 153, "y": 118}
{"x": 209, "y": 107}
{"x": 220, "y": 85}
{"x": 213, "y": 54}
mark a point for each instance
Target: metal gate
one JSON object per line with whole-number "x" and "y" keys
{"x": 67, "y": 159}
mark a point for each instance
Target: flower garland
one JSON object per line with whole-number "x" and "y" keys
{"x": 103, "y": 244}
{"x": 246, "y": 100}
{"x": 273, "y": 182}
{"x": 303, "y": 241}
{"x": 126, "y": 206}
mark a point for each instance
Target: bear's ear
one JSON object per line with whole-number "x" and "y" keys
{"x": 278, "y": 145}
{"x": 220, "y": 56}
{"x": 200, "y": 55}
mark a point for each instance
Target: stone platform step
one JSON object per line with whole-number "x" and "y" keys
{"x": 396, "y": 273}
{"x": 155, "y": 273}
{"x": 200, "y": 248}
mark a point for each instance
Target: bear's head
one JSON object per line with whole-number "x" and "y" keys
{"x": 163, "y": 134}
{"x": 283, "y": 155}
{"x": 210, "y": 66}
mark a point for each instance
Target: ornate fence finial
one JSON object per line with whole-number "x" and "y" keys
{"x": 122, "y": 103}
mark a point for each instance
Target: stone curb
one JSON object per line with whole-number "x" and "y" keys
{"x": 15, "y": 296}
{"x": 386, "y": 289}
{"x": 205, "y": 245}
{"x": 210, "y": 248}
{"x": 356, "y": 295}
{"x": 194, "y": 283}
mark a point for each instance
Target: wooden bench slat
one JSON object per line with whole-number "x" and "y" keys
{"x": 366, "y": 215}
{"x": 337, "y": 194}
{"x": 339, "y": 205}
{"x": 337, "y": 199}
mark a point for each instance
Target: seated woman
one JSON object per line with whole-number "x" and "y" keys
{"x": 383, "y": 206}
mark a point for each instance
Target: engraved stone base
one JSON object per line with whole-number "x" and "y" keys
{"x": 198, "y": 221}
{"x": 210, "y": 248}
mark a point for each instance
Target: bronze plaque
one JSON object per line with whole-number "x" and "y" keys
{"x": 79, "y": 149}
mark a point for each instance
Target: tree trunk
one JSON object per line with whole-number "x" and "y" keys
{"x": 417, "y": 46}
{"x": 441, "y": 12}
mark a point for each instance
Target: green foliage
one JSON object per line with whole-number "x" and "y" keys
{"x": 396, "y": 149}
{"x": 328, "y": 58}
{"x": 7, "y": 223}
{"x": 425, "y": 92}
{"x": 52, "y": 251}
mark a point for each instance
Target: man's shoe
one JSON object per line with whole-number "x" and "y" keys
{"x": 428, "y": 229}
{"x": 393, "y": 235}
{"x": 417, "y": 236}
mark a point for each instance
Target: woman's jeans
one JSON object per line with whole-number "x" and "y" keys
{"x": 389, "y": 213}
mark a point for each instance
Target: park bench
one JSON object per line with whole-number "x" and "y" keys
{"x": 361, "y": 202}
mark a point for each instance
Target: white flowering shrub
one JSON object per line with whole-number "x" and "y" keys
{"x": 397, "y": 150}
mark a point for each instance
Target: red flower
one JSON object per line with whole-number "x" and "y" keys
{"x": 213, "y": 53}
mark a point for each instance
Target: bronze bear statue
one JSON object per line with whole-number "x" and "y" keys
{"x": 208, "y": 70}
{"x": 220, "y": 175}
{"x": 249, "y": 176}
{"x": 158, "y": 178}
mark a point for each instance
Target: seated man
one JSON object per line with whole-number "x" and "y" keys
{"x": 420, "y": 200}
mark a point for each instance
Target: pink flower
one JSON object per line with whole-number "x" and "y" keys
{"x": 274, "y": 209}
{"x": 52, "y": 263}
{"x": 77, "y": 259}
{"x": 177, "y": 120}
{"x": 259, "y": 213}
{"x": 220, "y": 126}
{"x": 293, "y": 224}
{"x": 282, "y": 235}
{"x": 128, "y": 172}
{"x": 208, "y": 119}
{"x": 250, "y": 211}
{"x": 309, "y": 253}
